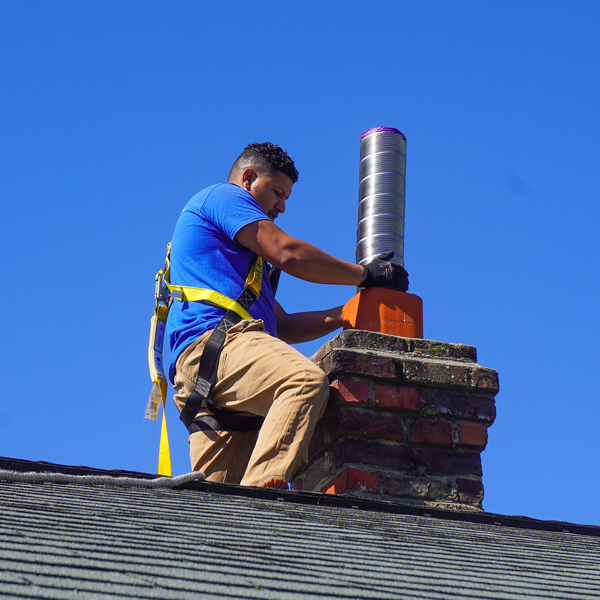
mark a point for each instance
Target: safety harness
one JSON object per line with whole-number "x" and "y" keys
{"x": 235, "y": 311}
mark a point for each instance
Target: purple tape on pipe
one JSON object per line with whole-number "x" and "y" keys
{"x": 378, "y": 129}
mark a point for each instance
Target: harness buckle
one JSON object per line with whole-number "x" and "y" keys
{"x": 161, "y": 291}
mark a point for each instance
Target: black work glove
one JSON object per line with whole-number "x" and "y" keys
{"x": 382, "y": 273}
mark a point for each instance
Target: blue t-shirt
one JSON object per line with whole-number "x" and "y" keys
{"x": 205, "y": 255}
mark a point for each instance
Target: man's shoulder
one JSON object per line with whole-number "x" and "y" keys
{"x": 226, "y": 202}
{"x": 223, "y": 207}
{"x": 219, "y": 192}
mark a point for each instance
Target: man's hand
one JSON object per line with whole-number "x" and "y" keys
{"x": 382, "y": 273}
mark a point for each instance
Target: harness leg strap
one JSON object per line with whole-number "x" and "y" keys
{"x": 230, "y": 422}
{"x": 207, "y": 370}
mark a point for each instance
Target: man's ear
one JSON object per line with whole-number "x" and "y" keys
{"x": 248, "y": 178}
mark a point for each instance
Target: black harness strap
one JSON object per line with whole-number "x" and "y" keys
{"x": 220, "y": 420}
{"x": 274, "y": 274}
{"x": 228, "y": 422}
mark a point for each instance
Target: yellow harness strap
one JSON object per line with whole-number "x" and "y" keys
{"x": 164, "y": 292}
{"x": 194, "y": 294}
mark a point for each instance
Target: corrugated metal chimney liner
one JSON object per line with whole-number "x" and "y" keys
{"x": 381, "y": 190}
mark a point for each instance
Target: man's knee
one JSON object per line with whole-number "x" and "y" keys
{"x": 318, "y": 383}
{"x": 305, "y": 380}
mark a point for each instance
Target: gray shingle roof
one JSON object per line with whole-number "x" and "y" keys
{"x": 72, "y": 540}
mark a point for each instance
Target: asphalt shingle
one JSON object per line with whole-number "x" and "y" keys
{"x": 72, "y": 540}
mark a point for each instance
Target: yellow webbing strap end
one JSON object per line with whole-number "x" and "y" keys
{"x": 164, "y": 452}
{"x": 158, "y": 396}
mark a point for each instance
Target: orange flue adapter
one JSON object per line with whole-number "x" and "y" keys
{"x": 385, "y": 311}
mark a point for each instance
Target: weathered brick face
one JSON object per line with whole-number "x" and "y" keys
{"x": 406, "y": 421}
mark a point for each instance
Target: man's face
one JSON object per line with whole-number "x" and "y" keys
{"x": 270, "y": 191}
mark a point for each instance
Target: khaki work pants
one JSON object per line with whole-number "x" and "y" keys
{"x": 259, "y": 375}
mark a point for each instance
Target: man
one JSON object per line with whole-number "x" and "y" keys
{"x": 217, "y": 237}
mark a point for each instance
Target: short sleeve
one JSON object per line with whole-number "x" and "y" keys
{"x": 229, "y": 208}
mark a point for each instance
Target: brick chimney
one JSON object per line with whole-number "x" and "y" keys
{"x": 406, "y": 421}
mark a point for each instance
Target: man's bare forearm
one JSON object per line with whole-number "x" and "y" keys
{"x": 306, "y": 326}
{"x": 307, "y": 262}
{"x": 296, "y": 257}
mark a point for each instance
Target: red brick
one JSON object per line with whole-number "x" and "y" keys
{"x": 367, "y": 423}
{"x": 364, "y": 481}
{"x": 344, "y": 391}
{"x": 352, "y": 479}
{"x": 431, "y": 432}
{"x": 486, "y": 379}
{"x": 403, "y": 398}
{"x": 372, "y": 453}
{"x": 443, "y": 402}
{"x": 460, "y": 376}
{"x": 470, "y": 491}
{"x": 471, "y": 434}
{"x": 338, "y": 485}
{"x": 447, "y": 462}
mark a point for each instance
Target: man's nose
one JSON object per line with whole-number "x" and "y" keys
{"x": 280, "y": 206}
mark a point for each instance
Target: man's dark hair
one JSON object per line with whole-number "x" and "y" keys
{"x": 265, "y": 158}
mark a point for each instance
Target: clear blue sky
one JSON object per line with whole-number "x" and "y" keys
{"x": 113, "y": 114}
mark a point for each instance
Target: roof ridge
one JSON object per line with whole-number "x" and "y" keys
{"x": 155, "y": 482}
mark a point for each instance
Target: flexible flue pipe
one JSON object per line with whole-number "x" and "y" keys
{"x": 381, "y": 190}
